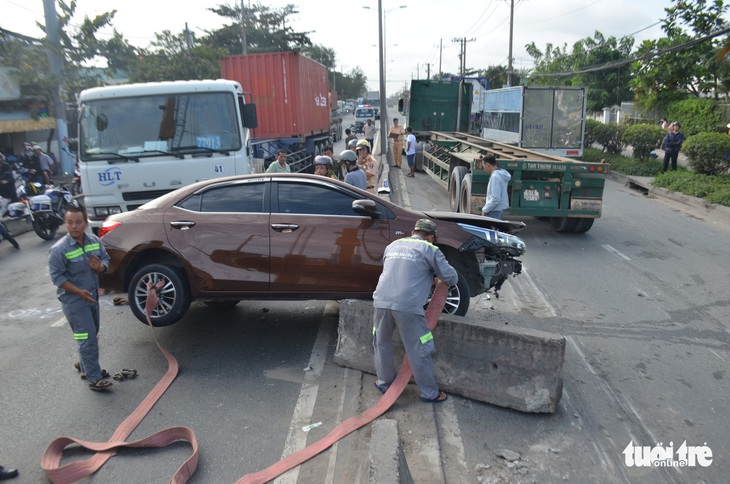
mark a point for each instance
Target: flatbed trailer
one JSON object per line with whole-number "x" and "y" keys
{"x": 567, "y": 191}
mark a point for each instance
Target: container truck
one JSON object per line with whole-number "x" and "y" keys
{"x": 531, "y": 132}
{"x": 437, "y": 106}
{"x": 291, "y": 95}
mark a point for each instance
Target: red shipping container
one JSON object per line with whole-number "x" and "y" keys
{"x": 290, "y": 91}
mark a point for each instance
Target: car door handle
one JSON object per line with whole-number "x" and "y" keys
{"x": 284, "y": 228}
{"x": 182, "y": 225}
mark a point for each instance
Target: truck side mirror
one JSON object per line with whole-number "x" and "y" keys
{"x": 250, "y": 120}
{"x": 400, "y": 105}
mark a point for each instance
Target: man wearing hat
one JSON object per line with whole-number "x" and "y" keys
{"x": 45, "y": 163}
{"x": 410, "y": 265}
{"x": 671, "y": 146}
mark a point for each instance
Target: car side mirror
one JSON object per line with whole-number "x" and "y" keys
{"x": 367, "y": 208}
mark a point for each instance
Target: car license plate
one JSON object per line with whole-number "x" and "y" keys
{"x": 531, "y": 195}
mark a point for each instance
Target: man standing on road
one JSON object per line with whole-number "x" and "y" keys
{"x": 74, "y": 263}
{"x": 396, "y": 134}
{"x": 279, "y": 166}
{"x": 349, "y": 136}
{"x": 497, "y": 199}
{"x": 370, "y": 132}
{"x": 411, "y": 151}
{"x": 45, "y": 163}
{"x": 410, "y": 265}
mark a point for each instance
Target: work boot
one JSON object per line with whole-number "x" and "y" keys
{"x": 7, "y": 473}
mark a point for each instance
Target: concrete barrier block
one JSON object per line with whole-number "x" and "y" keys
{"x": 512, "y": 367}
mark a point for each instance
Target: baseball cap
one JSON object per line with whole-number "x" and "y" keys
{"x": 426, "y": 226}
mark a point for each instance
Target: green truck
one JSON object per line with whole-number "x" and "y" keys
{"x": 531, "y": 131}
{"x": 567, "y": 191}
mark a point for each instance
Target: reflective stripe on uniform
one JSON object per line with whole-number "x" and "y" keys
{"x": 426, "y": 338}
{"x": 418, "y": 241}
{"x": 90, "y": 247}
{"x": 81, "y": 336}
{"x": 74, "y": 253}
{"x": 373, "y": 330}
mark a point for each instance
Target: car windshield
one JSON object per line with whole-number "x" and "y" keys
{"x": 364, "y": 113}
{"x": 158, "y": 125}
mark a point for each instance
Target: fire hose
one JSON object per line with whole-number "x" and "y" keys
{"x": 77, "y": 470}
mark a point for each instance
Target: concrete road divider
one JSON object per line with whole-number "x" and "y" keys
{"x": 517, "y": 368}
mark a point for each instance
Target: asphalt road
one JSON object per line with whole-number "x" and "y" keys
{"x": 641, "y": 298}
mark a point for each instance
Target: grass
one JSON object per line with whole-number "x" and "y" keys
{"x": 713, "y": 188}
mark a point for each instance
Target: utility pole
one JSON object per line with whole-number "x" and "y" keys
{"x": 188, "y": 38}
{"x": 383, "y": 107}
{"x": 55, "y": 61}
{"x": 462, "y": 53}
{"x": 244, "y": 41}
{"x": 428, "y": 70}
{"x": 511, "y": 26}
{"x": 441, "y": 51}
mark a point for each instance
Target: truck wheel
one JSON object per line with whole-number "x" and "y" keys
{"x": 465, "y": 194}
{"x": 174, "y": 295}
{"x": 457, "y": 175}
{"x": 563, "y": 224}
{"x": 583, "y": 225}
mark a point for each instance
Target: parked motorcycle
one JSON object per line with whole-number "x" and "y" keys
{"x": 6, "y": 234}
{"x": 46, "y": 212}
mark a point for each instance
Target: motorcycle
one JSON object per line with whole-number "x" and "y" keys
{"x": 46, "y": 212}
{"x": 5, "y": 233}
{"x": 358, "y": 127}
{"x": 76, "y": 182}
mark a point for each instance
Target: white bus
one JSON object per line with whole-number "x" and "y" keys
{"x": 140, "y": 141}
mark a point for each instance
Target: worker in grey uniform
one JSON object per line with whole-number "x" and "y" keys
{"x": 410, "y": 265}
{"x": 74, "y": 264}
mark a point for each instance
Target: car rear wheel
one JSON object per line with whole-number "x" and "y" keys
{"x": 221, "y": 304}
{"x": 174, "y": 298}
{"x": 457, "y": 299}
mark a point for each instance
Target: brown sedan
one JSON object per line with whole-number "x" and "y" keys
{"x": 285, "y": 236}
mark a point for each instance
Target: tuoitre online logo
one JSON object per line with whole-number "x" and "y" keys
{"x": 660, "y": 456}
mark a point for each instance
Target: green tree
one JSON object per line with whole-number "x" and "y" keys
{"x": 177, "y": 57}
{"x": 585, "y": 65}
{"x": 267, "y": 29}
{"x": 324, "y": 55}
{"x": 683, "y": 66}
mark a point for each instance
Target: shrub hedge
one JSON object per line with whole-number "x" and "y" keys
{"x": 708, "y": 153}
{"x": 643, "y": 138}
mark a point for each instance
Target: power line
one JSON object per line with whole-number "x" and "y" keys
{"x": 648, "y": 55}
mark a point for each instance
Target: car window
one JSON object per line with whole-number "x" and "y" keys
{"x": 238, "y": 198}
{"x": 314, "y": 199}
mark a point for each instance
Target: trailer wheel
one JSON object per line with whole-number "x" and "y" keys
{"x": 465, "y": 194}
{"x": 563, "y": 224}
{"x": 457, "y": 175}
{"x": 583, "y": 225}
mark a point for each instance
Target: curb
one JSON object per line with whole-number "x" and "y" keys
{"x": 714, "y": 212}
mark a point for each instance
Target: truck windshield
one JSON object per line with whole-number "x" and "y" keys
{"x": 158, "y": 126}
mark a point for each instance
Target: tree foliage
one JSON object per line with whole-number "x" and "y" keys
{"x": 555, "y": 66}
{"x": 693, "y": 68}
{"x": 697, "y": 115}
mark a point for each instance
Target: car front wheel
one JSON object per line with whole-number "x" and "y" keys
{"x": 174, "y": 298}
{"x": 457, "y": 299}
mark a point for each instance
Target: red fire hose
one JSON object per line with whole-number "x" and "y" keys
{"x": 51, "y": 459}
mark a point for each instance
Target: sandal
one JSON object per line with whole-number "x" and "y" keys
{"x": 441, "y": 398}
{"x": 104, "y": 374}
{"x": 100, "y": 386}
{"x": 381, "y": 388}
{"x": 125, "y": 373}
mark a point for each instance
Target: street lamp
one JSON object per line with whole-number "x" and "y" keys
{"x": 381, "y": 41}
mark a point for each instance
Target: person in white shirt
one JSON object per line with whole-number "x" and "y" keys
{"x": 411, "y": 151}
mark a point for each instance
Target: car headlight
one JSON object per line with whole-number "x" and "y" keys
{"x": 511, "y": 243}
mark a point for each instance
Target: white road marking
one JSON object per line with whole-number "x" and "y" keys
{"x": 723, "y": 359}
{"x": 59, "y": 323}
{"x": 332, "y": 462}
{"x": 304, "y": 409}
{"x": 530, "y": 296}
{"x": 448, "y": 425}
{"x": 615, "y": 252}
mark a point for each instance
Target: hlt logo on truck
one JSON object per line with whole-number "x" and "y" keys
{"x": 110, "y": 176}
{"x": 658, "y": 456}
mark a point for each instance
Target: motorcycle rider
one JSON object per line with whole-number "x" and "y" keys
{"x": 329, "y": 152}
{"x": 355, "y": 176}
{"x": 320, "y": 165}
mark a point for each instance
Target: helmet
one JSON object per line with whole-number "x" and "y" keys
{"x": 322, "y": 160}
{"x": 352, "y": 143}
{"x": 363, "y": 143}
{"x": 348, "y": 156}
